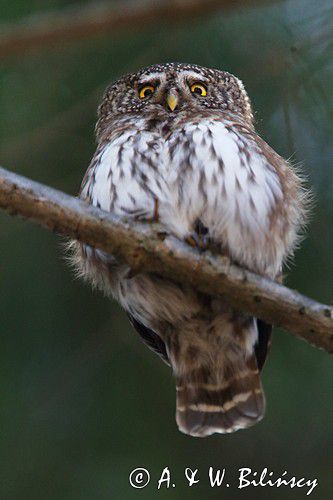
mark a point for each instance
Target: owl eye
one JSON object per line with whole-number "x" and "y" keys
{"x": 146, "y": 91}
{"x": 198, "y": 88}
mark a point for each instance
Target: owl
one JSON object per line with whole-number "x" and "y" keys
{"x": 177, "y": 146}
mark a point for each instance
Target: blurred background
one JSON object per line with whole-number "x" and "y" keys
{"x": 82, "y": 401}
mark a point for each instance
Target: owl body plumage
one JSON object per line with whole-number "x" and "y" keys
{"x": 204, "y": 164}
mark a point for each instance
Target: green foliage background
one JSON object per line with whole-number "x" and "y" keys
{"x": 82, "y": 402}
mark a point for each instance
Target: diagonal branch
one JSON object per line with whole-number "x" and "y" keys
{"x": 98, "y": 18}
{"x": 143, "y": 248}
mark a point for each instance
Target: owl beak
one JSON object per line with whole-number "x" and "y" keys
{"x": 172, "y": 101}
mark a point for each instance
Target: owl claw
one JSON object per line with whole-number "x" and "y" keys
{"x": 199, "y": 239}
{"x": 156, "y": 214}
{"x": 143, "y": 217}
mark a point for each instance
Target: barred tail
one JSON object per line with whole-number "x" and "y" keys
{"x": 223, "y": 401}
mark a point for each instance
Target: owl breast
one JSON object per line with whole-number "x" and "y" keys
{"x": 207, "y": 170}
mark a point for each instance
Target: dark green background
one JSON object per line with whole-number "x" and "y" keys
{"x": 82, "y": 401}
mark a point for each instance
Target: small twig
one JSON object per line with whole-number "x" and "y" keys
{"x": 141, "y": 247}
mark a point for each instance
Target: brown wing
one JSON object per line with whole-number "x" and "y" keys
{"x": 264, "y": 342}
{"x": 156, "y": 344}
{"x": 151, "y": 339}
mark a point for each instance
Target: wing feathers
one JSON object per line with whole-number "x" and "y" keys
{"x": 151, "y": 339}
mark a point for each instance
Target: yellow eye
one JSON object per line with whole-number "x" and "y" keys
{"x": 198, "y": 88}
{"x": 146, "y": 91}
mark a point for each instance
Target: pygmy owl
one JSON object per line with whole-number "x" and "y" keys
{"x": 177, "y": 145}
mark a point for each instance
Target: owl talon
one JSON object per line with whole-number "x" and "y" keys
{"x": 142, "y": 217}
{"x": 156, "y": 214}
{"x": 198, "y": 241}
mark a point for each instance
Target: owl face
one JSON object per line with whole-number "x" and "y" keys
{"x": 174, "y": 88}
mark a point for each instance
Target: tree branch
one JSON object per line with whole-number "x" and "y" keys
{"x": 143, "y": 248}
{"x": 98, "y": 18}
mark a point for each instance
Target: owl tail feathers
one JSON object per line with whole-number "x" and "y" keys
{"x": 219, "y": 401}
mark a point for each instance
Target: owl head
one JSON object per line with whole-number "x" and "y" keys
{"x": 172, "y": 88}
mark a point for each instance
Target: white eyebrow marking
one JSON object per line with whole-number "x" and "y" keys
{"x": 151, "y": 76}
{"x": 194, "y": 75}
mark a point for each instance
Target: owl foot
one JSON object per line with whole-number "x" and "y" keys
{"x": 156, "y": 214}
{"x": 143, "y": 216}
{"x": 199, "y": 239}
